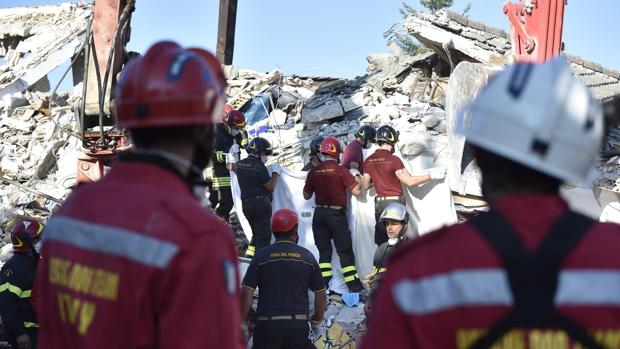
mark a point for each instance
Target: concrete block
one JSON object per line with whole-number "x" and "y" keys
{"x": 465, "y": 82}
{"x": 352, "y": 319}
{"x": 330, "y": 109}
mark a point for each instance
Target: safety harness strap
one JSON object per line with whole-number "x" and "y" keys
{"x": 533, "y": 277}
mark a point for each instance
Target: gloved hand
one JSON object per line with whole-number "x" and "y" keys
{"x": 23, "y": 342}
{"x": 355, "y": 172}
{"x": 245, "y": 330}
{"x": 370, "y": 281}
{"x": 231, "y": 158}
{"x": 438, "y": 173}
{"x": 244, "y": 133}
{"x": 315, "y": 326}
{"x": 234, "y": 149}
{"x": 275, "y": 168}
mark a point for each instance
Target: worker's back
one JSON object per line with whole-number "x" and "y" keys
{"x": 382, "y": 166}
{"x": 133, "y": 261}
{"x": 447, "y": 288}
{"x": 283, "y": 272}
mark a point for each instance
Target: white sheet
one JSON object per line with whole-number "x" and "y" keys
{"x": 430, "y": 206}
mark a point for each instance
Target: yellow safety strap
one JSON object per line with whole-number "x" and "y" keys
{"x": 219, "y": 156}
{"x": 325, "y": 265}
{"x": 221, "y": 182}
{"x": 250, "y": 251}
{"x": 350, "y": 278}
{"x": 16, "y": 290}
{"x": 30, "y": 324}
{"x": 326, "y": 273}
{"x": 349, "y": 269}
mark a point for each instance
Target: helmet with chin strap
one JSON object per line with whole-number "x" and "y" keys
{"x": 25, "y": 234}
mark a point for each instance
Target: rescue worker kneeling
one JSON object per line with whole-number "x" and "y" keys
{"x": 257, "y": 186}
{"x": 16, "y": 282}
{"x": 330, "y": 182}
{"x": 395, "y": 219}
{"x": 529, "y": 273}
{"x": 283, "y": 273}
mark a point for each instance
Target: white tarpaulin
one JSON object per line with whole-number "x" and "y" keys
{"x": 430, "y": 207}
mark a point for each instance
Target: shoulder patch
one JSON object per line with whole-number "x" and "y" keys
{"x": 7, "y": 273}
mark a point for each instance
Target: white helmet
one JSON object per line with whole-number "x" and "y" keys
{"x": 539, "y": 115}
{"x": 395, "y": 211}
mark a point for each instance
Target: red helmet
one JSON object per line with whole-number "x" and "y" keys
{"x": 235, "y": 118}
{"x": 25, "y": 234}
{"x": 283, "y": 221}
{"x": 331, "y": 146}
{"x": 170, "y": 86}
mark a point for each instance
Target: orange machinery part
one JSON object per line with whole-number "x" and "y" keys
{"x": 536, "y": 28}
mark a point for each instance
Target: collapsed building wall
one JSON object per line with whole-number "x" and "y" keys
{"x": 457, "y": 39}
{"x": 39, "y": 143}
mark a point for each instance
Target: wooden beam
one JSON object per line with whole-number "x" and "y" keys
{"x": 226, "y": 31}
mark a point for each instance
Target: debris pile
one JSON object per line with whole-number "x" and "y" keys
{"x": 403, "y": 91}
{"x": 456, "y": 39}
{"x": 39, "y": 145}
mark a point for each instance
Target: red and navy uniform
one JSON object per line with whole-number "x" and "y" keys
{"x": 381, "y": 166}
{"x": 220, "y": 193}
{"x": 354, "y": 152}
{"x": 16, "y": 311}
{"x": 330, "y": 182}
{"x": 451, "y": 288}
{"x": 134, "y": 261}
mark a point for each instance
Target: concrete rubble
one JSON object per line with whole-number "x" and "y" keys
{"x": 419, "y": 96}
{"x": 39, "y": 142}
{"x": 458, "y": 39}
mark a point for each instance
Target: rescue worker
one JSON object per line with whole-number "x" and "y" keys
{"x": 283, "y": 273}
{"x": 386, "y": 172}
{"x": 134, "y": 260}
{"x": 329, "y": 182}
{"x": 16, "y": 283}
{"x": 529, "y": 271}
{"x": 353, "y": 156}
{"x": 395, "y": 219}
{"x": 230, "y": 137}
{"x": 257, "y": 185}
{"x": 315, "y": 146}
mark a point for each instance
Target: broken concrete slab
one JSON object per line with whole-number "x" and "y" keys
{"x": 325, "y": 109}
{"x": 46, "y": 37}
{"x": 466, "y": 80}
{"x": 351, "y": 320}
{"x": 447, "y": 37}
{"x": 254, "y": 89}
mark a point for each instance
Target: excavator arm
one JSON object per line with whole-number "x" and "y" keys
{"x": 536, "y": 28}
{"x": 104, "y": 58}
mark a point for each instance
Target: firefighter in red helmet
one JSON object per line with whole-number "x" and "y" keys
{"x": 329, "y": 182}
{"x": 283, "y": 273}
{"x": 16, "y": 283}
{"x": 230, "y": 137}
{"x": 126, "y": 256}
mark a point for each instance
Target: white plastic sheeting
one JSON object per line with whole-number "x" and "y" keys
{"x": 430, "y": 206}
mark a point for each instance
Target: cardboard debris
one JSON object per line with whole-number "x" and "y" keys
{"x": 335, "y": 338}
